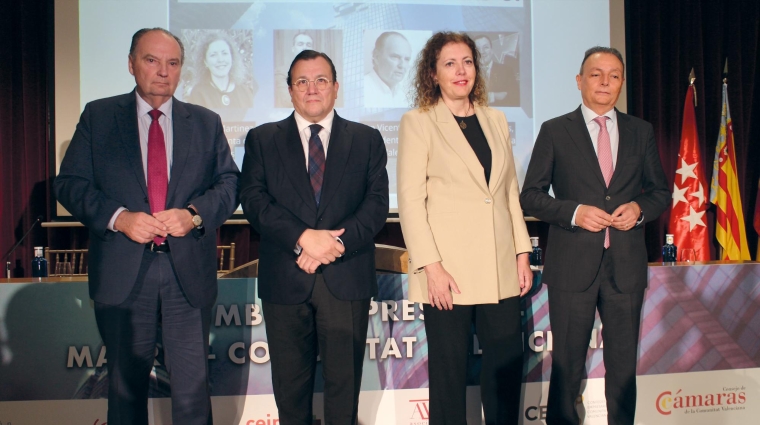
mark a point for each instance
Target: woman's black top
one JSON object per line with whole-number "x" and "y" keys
{"x": 477, "y": 140}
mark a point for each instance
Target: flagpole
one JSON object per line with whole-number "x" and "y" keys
{"x": 725, "y": 81}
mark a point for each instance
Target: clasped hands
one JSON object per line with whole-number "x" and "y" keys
{"x": 142, "y": 227}
{"x": 593, "y": 219}
{"x": 319, "y": 247}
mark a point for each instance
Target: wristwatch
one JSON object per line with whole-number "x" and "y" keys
{"x": 197, "y": 220}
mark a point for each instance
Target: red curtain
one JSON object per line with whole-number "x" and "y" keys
{"x": 24, "y": 175}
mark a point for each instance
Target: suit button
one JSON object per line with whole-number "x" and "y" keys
{"x": 488, "y": 200}
{"x": 607, "y": 198}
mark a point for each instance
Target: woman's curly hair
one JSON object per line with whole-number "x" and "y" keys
{"x": 236, "y": 70}
{"x": 426, "y": 91}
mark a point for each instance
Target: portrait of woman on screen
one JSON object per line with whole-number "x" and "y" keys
{"x": 217, "y": 75}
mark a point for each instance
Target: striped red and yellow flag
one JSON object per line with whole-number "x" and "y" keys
{"x": 724, "y": 191}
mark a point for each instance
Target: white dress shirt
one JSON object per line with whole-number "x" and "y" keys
{"x": 305, "y": 132}
{"x": 593, "y": 130}
{"x": 143, "y": 126}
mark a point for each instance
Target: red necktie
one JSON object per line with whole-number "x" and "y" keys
{"x": 158, "y": 174}
{"x": 604, "y": 152}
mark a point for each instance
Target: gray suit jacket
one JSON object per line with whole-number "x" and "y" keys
{"x": 564, "y": 158}
{"x": 103, "y": 170}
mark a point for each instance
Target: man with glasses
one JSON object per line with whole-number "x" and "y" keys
{"x": 314, "y": 186}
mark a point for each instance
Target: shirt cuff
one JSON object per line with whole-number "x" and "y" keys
{"x": 113, "y": 218}
{"x": 572, "y": 222}
{"x": 298, "y": 249}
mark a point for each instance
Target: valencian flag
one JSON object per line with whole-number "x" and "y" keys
{"x": 724, "y": 191}
{"x": 688, "y": 222}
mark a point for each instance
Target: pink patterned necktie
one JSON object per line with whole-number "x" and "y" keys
{"x": 158, "y": 173}
{"x": 604, "y": 153}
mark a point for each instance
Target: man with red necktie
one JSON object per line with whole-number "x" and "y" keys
{"x": 152, "y": 178}
{"x": 604, "y": 169}
{"x": 314, "y": 186}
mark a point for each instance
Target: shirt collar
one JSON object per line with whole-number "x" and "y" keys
{"x": 143, "y": 108}
{"x": 589, "y": 115}
{"x": 326, "y": 122}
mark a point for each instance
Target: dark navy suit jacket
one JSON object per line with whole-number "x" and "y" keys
{"x": 278, "y": 201}
{"x": 103, "y": 170}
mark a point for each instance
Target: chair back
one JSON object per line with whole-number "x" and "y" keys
{"x": 66, "y": 262}
{"x": 225, "y": 252}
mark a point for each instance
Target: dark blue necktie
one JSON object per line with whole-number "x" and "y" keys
{"x": 316, "y": 161}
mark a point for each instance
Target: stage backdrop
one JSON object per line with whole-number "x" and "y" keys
{"x": 699, "y": 360}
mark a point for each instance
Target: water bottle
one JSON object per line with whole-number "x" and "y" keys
{"x": 669, "y": 251}
{"x": 39, "y": 263}
{"x": 537, "y": 256}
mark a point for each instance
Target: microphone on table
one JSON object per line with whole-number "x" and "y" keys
{"x": 8, "y": 263}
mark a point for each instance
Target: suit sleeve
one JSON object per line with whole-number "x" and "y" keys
{"x": 535, "y": 198}
{"x": 362, "y": 226}
{"x": 219, "y": 201}
{"x": 655, "y": 196}
{"x": 269, "y": 218}
{"x": 412, "y": 193}
{"x": 520, "y": 235}
{"x": 75, "y": 186}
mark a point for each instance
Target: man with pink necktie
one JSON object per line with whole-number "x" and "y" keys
{"x": 604, "y": 169}
{"x": 152, "y": 178}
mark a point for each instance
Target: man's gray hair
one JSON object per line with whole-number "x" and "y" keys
{"x": 600, "y": 49}
{"x": 138, "y": 35}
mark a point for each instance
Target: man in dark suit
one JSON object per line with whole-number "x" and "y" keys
{"x": 501, "y": 78}
{"x": 315, "y": 188}
{"x": 605, "y": 171}
{"x": 152, "y": 178}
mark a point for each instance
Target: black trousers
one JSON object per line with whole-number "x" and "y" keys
{"x": 337, "y": 331}
{"x": 572, "y": 320}
{"x": 499, "y": 333}
{"x": 129, "y": 333}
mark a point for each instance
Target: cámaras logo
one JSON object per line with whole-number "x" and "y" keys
{"x": 727, "y": 399}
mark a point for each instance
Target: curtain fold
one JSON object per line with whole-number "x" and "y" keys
{"x": 25, "y": 189}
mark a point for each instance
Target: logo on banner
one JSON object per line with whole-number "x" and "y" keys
{"x": 420, "y": 412}
{"x": 728, "y": 399}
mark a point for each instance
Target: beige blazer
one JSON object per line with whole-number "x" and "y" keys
{"x": 448, "y": 213}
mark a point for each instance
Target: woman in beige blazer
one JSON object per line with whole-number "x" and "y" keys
{"x": 464, "y": 229}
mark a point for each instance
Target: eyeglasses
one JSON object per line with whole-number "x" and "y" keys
{"x": 320, "y": 83}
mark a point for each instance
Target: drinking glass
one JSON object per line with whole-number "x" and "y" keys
{"x": 688, "y": 255}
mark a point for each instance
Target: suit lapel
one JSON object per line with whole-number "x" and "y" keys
{"x": 453, "y": 136}
{"x": 182, "y": 128}
{"x": 492, "y": 132}
{"x": 580, "y": 136}
{"x": 130, "y": 138}
{"x": 291, "y": 151}
{"x": 338, "y": 151}
{"x": 625, "y": 144}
